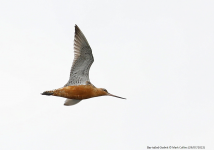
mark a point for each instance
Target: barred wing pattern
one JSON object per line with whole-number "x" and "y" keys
{"x": 83, "y": 59}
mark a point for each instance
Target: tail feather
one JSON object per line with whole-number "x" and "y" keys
{"x": 48, "y": 93}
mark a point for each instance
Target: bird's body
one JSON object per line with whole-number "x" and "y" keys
{"x": 77, "y": 92}
{"x": 79, "y": 86}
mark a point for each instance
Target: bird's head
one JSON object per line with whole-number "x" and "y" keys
{"x": 105, "y": 92}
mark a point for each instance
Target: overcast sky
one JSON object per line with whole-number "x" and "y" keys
{"x": 157, "y": 54}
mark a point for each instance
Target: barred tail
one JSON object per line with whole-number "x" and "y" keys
{"x": 48, "y": 93}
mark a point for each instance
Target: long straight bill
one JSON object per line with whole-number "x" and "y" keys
{"x": 116, "y": 96}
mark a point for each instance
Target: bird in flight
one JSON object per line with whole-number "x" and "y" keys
{"x": 79, "y": 86}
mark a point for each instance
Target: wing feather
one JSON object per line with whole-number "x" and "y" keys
{"x": 83, "y": 59}
{"x": 70, "y": 102}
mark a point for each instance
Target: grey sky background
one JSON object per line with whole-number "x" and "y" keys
{"x": 157, "y": 54}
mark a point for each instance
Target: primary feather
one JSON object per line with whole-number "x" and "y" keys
{"x": 83, "y": 59}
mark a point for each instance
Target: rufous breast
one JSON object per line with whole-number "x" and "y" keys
{"x": 78, "y": 92}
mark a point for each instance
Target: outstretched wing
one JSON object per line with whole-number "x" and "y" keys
{"x": 83, "y": 59}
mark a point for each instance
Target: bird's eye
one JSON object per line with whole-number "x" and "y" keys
{"x": 105, "y": 90}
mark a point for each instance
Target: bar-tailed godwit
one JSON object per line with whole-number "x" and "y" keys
{"x": 79, "y": 86}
